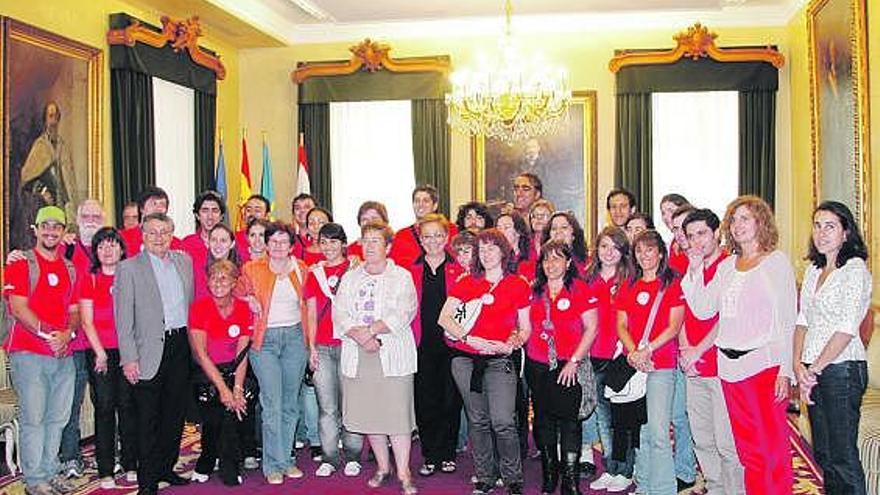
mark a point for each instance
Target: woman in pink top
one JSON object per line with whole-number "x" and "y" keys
{"x": 111, "y": 393}
{"x": 753, "y": 293}
{"x": 652, "y": 347}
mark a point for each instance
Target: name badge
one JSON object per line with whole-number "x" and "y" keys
{"x": 563, "y": 304}
{"x": 643, "y": 298}
{"x": 234, "y": 331}
{"x": 53, "y": 279}
{"x": 488, "y": 299}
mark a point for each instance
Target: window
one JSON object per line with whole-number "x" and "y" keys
{"x": 174, "y": 140}
{"x": 371, "y": 158}
{"x": 695, "y": 149}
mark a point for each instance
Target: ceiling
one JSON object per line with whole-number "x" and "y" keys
{"x": 256, "y": 23}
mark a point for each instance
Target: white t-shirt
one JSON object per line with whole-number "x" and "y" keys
{"x": 284, "y": 308}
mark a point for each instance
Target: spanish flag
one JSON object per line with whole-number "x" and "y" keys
{"x": 244, "y": 188}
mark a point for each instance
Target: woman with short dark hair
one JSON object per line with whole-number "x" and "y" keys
{"x": 829, "y": 355}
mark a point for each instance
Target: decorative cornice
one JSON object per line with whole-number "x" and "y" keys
{"x": 182, "y": 34}
{"x": 370, "y": 56}
{"x": 695, "y": 43}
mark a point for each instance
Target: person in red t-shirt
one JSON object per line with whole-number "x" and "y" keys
{"x": 464, "y": 249}
{"x": 152, "y": 200}
{"x": 111, "y": 392}
{"x": 208, "y": 210}
{"x": 405, "y": 247}
{"x": 698, "y": 357}
{"x": 482, "y": 368}
{"x": 654, "y": 351}
{"x": 539, "y": 218}
{"x": 678, "y": 258}
{"x": 611, "y": 266}
{"x": 514, "y": 228}
{"x": 43, "y": 372}
{"x": 255, "y": 242}
{"x": 637, "y": 223}
{"x": 369, "y": 212}
{"x": 324, "y": 354}
{"x": 220, "y": 328}
{"x": 316, "y": 218}
{"x": 257, "y": 207}
{"x": 559, "y": 314}
{"x": 563, "y": 226}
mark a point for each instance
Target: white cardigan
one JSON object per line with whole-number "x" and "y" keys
{"x": 396, "y": 305}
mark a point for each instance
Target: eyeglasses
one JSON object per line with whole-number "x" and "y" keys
{"x": 433, "y": 237}
{"x": 153, "y": 234}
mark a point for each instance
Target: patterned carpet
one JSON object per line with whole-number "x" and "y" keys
{"x": 808, "y": 480}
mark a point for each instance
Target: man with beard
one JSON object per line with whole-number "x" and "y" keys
{"x": 256, "y": 206}
{"x": 48, "y": 172}
{"x": 208, "y": 210}
{"x": 527, "y": 188}
{"x": 40, "y": 290}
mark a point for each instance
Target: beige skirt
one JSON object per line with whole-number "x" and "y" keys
{"x": 375, "y": 404}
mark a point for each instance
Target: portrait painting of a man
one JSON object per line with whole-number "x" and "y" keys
{"x": 50, "y": 155}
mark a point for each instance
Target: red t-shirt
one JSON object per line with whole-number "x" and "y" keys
{"x": 324, "y": 333}
{"x": 82, "y": 261}
{"x": 566, "y": 311}
{"x": 50, "y": 301}
{"x": 498, "y": 319}
{"x": 637, "y": 300}
{"x": 355, "y": 249}
{"x": 678, "y": 259}
{"x": 195, "y": 247}
{"x": 98, "y": 288}
{"x": 310, "y": 258}
{"x": 601, "y": 296}
{"x": 242, "y": 246}
{"x": 405, "y": 247}
{"x": 300, "y": 243}
{"x": 696, "y": 329}
{"x": 221, "y": 333}
{"x": 134, "y": 239}
{"x": 526, "y": 269}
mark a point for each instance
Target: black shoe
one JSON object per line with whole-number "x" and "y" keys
{"x": 515, "y": 489}
{"x": 570, "y": 474}
{"x": 316, "y": 453}
{"x": 549, "y": 469}
{"x": 175, "y": 479}
{"x": 482, "y": 488}
{"x": 684, "y": 485}
{"x": 588, "y": 471}
{"x": 147, "y": 491}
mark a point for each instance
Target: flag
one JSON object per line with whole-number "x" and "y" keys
{"x": 220, "y": 175}
{"x": 267, "y": 187}
{"x": 302, "y": 172}
{"x": 244, "y": 188}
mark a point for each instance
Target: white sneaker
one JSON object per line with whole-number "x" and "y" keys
{"x": 352, "y": 468}
{"x": 299, "y": 444}
{"x": 131, "y": 477}
{"x": 325, "y": 469}
{"x": 108, "y": 483}
{"x": 618, "y": 483}
{"x": 251, "y": 462}
{"x": 199, "y": 477}
{"x": 601, "y": 482}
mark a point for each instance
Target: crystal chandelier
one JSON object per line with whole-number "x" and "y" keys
{"x": 511, "y": 99}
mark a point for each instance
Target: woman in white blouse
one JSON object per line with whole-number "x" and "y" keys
{"x": 829, "y": 356}
{"x": 754, "y": 294}
{"x": 372, "y": 312}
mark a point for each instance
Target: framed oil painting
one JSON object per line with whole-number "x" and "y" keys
{"x": 51, "y": 127}
{"x": 839, "y": 97}
{"x": 566, "y": 162}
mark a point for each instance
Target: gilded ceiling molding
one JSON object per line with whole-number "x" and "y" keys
{"x": 182, "y": 34}
{"x": 695, "y": 43}
{"x": 371, "y": 56}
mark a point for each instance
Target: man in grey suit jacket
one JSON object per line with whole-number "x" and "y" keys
{"x": 152, "y": 293}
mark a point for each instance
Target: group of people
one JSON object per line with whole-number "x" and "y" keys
{"x": 494, "y": 315}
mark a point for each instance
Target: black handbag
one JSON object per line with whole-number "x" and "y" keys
{"x": 207, "y": 393}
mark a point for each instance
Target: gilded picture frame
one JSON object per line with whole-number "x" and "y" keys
{"x": 838, "y": 61}
{"x": 571, "y": 159}
{"x": 51, "y": 114}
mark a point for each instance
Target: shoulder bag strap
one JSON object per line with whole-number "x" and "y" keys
{"x": 651, "y": 317}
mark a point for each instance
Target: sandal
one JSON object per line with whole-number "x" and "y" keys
{"x": 448, "y": 466}
{"x": 428, "y": 469}
{"x": 407, "y": 487}
{"x": 378, "y": 479}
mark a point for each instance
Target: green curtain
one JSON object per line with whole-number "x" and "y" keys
{"x": 373, "y": 86}
{"x": 205, "y": 124}
{"x": 134, "y": 157}
{"x": 314, "y": 124}
{"x": 757, "y": 144}
{"x": 431, "y": 147}
{"x": 633, "y": 159}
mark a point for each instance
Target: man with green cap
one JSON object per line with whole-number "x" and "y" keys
{"x": 40, "y": 291}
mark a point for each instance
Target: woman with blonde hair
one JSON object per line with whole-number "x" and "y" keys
{"x": 753, "y": 293}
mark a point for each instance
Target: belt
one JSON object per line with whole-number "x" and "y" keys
{"x": 734, "y": 353}
{"x": 175, "y": 331}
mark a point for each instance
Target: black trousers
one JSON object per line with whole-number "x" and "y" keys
{"x": 522, "y": 403}
{"x": 222, "y": 438}
{"x": 438, "y": 406}
{"x": 834, "y": 419}
{"x": 161, "y": 407}
{"x": 114, "y": 406}
{"x": 550, "y": 430}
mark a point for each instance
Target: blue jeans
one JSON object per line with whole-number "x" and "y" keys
{"x": 70, "y": 437}
{"x": 279, "y": 366}
{"x": 654, "y": 463}
{"x": 329, "y": 390}
{"x": 44, "y": 386}
{"x": 602, "y": 417}
{"x": 307, "y": 428}
{"x": 834, "y": 419}
{"x": 685, "y": 458}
